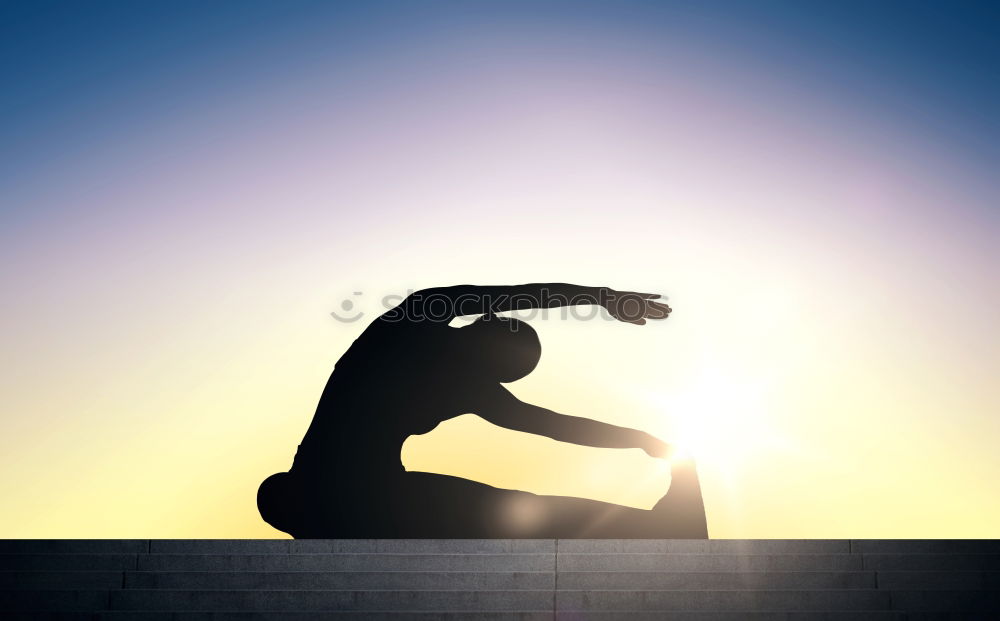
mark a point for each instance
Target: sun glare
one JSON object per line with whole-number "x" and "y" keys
{"x": 720, "y": 420}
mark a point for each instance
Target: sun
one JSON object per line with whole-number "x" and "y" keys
{"x": 720, "y": 419}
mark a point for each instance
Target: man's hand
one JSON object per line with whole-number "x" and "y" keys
{"x": 658, "y": 448}
{"x": 636, "y": 308}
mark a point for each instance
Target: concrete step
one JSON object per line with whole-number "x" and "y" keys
{"x": 346, "y": 562}
{"x": 61, "y": 579}
{"x": 306, "y": 600}
{"x": 502, "y": 616}
{"x": 512, "y": 562}
{"x": 499, "y": 580}
{"x": 752, "y": 580}
{"x": 951, "y": 616}
{"x": 721, "y": 600}
{"x": 275, "y": 546}
{"x": 278, "y": 616}
{"x": 948, "y": 601}
{"x": 41, "y": 615}
{"x": 523, "y": 601}
{"x": 706, "y": 546}
{"x": 470, "y": 616}
{"x": 339, "y": 580}
{"x": 927, "y": 546}
{"x": 69, "y": 600}
{"x": 65, "y": 562}
{"x": 469, "y": 546}
{"x": 927, "y": 562}
{"x": 937, "y": 580}
{"x": 366, "y": 546}
{"x": 462, "y": 546}
{"x": 515, "y": 580}
{"x": 707, "y": 562}
{"x": 737, "y": 615}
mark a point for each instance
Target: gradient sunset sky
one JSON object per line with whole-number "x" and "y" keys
{"x": 189, "y": 189}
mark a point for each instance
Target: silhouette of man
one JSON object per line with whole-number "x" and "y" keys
{"x": 408, "y": 372}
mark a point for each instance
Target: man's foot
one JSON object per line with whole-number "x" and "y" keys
{"x": 682, "y": 507}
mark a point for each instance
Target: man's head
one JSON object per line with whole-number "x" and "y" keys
{"x": 502, "y": 348}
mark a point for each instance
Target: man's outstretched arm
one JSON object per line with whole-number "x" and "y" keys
{"x": 506, "y": 410}
{"x": 628, "y": 306}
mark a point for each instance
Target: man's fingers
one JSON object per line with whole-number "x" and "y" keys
{"x": 657, "y": 310}
{"x": 638, "y": 294}
{"x": 660, "y": 450}
{"x": 635, "y": 307}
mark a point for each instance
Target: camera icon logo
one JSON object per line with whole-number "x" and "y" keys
{"x": 347, "y": 307}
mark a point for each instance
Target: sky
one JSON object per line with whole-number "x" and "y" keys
{"x": 188, "y": 190}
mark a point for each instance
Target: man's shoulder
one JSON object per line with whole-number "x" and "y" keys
{"x": 392, "y": 332}
{"x": 400, "y": 319}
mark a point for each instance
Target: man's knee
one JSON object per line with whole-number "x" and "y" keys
{"x": 280, "y": 501}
